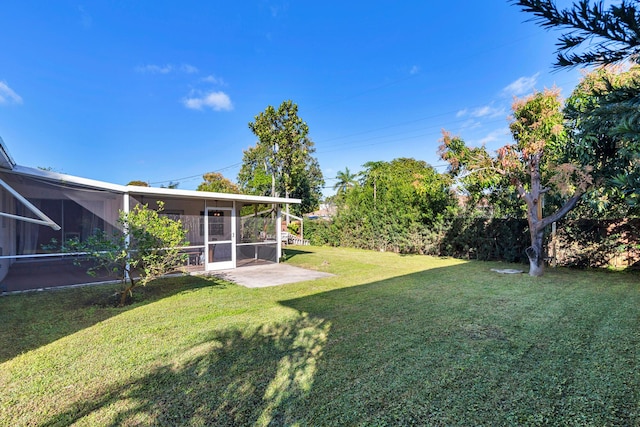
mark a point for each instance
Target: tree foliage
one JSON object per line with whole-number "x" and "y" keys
{"x": 282, "y": 163}
{"x": 603, "y": 113}
{"x": 148, "y": 249}
{"x": 139, "y": 183}
{"x": 217, "y": 183}
{"x": 528, "y": 165}
{"x": 605, "y": 35}
{"x": 345, "y": 181}
{"x": 397, "y": 206}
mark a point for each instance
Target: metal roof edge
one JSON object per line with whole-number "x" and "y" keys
{"x": 150, "y": 191}
{"x": 153, "y": 191}
{"x": 70, "y": 179}
{"x": 6, "y": 161}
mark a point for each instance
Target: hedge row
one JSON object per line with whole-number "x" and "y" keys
{"x": 576, "y": 243}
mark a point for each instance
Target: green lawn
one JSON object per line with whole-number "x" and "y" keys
{"x": 389, "y": 340}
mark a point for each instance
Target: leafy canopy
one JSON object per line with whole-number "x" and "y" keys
{"x": 217, "y": 183}
{"x": 148, "y": 249}
{"x": 603, "y": 114}
{"x": 394, "y": 207}
{"x": 282, "y": 161}
{"x": 604, "y": 109}
{"x": 344, "y": 180}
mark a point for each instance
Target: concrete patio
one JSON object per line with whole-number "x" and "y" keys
{"x": 265, "y": 275}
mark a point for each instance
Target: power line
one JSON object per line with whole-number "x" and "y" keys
{"x": 340, "y": 146}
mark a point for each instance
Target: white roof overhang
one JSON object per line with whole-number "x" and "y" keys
{"x": 147, "y": 191}
{"x": 191, "y": 194}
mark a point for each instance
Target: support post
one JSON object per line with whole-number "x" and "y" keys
{"x": 127, "y": 238}
{"x": 279, "y": 232}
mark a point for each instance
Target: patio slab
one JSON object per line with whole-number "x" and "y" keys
{"x": 262, "y": 276}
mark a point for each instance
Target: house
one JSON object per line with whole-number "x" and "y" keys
{"x": 41, "y": 210}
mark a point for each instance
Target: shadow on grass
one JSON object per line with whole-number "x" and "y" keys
{"x": 34, "y": 319}
{"x": 231, "y": 378}
{"x": 290, "y": 253}
{"x": 424, "y": 348}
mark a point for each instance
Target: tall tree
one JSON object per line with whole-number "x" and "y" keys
{"x": 605, "y": 35}
{"x": 528, "y": 164}
{"x": 345, "y": 180}
{"x": 282, "y": 162}
{"x": 217, "y": 183}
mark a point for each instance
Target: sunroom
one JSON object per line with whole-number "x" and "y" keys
{"x": 40, "y": 211}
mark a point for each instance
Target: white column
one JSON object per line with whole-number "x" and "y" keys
{"x": 279, "y": 232}
{"x": 127, "y": 237}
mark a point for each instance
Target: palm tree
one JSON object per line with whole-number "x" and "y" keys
{"x": 346, "y": 180}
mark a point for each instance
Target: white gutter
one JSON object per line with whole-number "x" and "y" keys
{"x": 44, "y": 220}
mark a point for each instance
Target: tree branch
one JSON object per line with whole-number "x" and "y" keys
{"x": 569, "y": 204}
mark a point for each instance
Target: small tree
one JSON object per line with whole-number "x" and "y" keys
{"x": 148, "y": 249}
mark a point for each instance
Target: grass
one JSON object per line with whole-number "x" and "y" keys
{"x": 388, "y": 340}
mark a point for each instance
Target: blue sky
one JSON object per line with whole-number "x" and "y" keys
{"x": 163, "y": 91}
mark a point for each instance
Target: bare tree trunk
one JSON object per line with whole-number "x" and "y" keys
{"x": 535, "y": 252}
{"x": 537, "y": 222}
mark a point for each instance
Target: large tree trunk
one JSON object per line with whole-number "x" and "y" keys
{"x": 537, "y": 223}
{"x": 535, "y": 252}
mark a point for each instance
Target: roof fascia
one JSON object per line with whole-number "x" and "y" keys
{"x": 68, "y": 179}
{"x": 171, "y": 192}
{"x": 148, "y": 191}
{"x": 6, "y": 161}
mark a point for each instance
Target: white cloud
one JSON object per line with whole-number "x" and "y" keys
{"x": 167, "y": 68}
{"x": 470, "y": 124}
{"x": 488, "y": 111}
{"x": 278, "y": 9}
{"x": 155, "y": 69}
{"x": 85, "y": 18}
{"x": 414, "y": 70}
{"x": 495, "y": 135}
{"x": 189, "y": 69}
{"x": 214, "y": 80}
{"x": 217, "y": 101}
{"x": 521, "y": 86}
{"x": 7, "y": 95}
